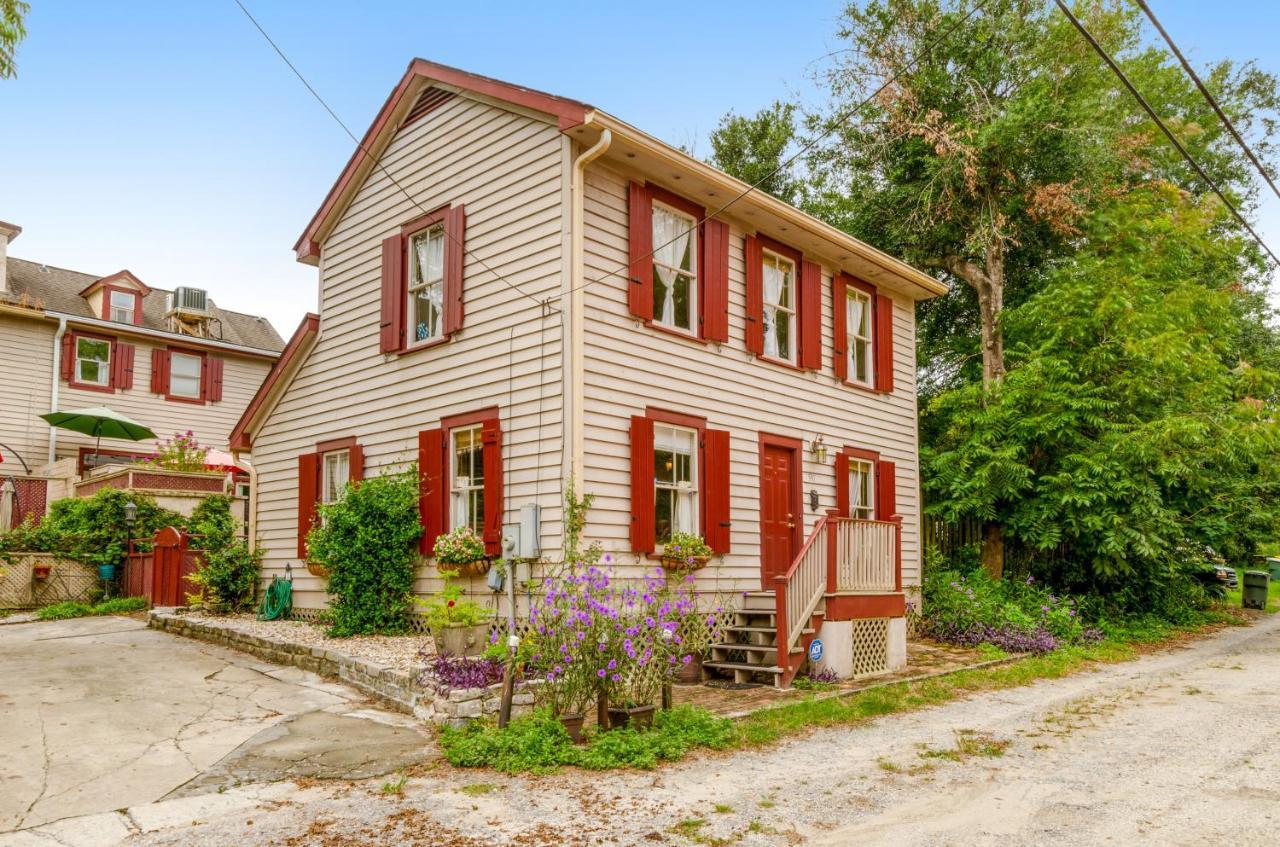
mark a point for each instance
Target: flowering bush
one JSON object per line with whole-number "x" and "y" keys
{"x": 596, "y": 634}
{"x": 1019, "y": 616}
{"x": 687, "y": 547}
{"x": 449, "y": 608}
{"x": 182, "y": 452}
{"x": 445, "y": 673}
{"x": 459, "y": 546}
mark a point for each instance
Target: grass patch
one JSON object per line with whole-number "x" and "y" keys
{"x": 395, "y": 786}
{"x": 990, "y": 652}
{"x": 1235, "y": 595}
{"x": 722, "y": 808}
{"x": 478, "y": 789}
{"x": 75, "y": 609}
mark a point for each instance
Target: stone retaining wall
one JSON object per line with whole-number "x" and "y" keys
{"x": 400, "y": 690}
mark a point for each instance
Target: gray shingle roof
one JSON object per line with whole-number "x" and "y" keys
{"x": 58, "y": 290}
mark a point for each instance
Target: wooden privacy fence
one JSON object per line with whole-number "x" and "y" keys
{"x": 161, "y": 575}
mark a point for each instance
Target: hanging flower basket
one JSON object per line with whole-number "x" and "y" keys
{"x": 476, "y": 567}
{"x": 41, "y": 572}
{"x": 685, "y": 552}
{"x": 317, "y": 569}
{"x": 688, "y": 563}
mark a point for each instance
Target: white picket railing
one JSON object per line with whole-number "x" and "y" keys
{"x": 866, "y": 555}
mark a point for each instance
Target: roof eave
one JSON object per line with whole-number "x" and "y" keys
{"x": 276, "y": 382}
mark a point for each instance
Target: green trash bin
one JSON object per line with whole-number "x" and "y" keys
{"x": 1273, "y": 566}
{"x": 1256, "y": 584}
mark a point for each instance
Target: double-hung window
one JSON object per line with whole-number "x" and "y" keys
{"x": 184, "y": 375}
{"x": 93, "y": 361}
{"x": 859, "y": 327}
{"x": 861, "y": 489}
{"x": 675, "y": 275}
{"x": 779, "y": 285}
{"x": 335, "y": 473}
{"x": 426, "y": 285}
{"x": 675, "y": 471}
{"x": 466, "y": 475}
{"x": 123, "y": 304}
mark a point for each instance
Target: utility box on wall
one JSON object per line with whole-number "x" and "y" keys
{"x": 521, "y": 540}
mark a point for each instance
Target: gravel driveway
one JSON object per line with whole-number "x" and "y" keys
{"x": 1179, "y": 747}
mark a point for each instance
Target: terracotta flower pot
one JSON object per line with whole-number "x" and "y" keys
{"x": 692, "y": 672}
{"x": 317, "y": 569}
{"x": 461, "y": 640}
{"x": 477, "y": 567}
{"x": 41, "y": 571}
{"x": 637, "y": 717}
{"x": 675, "y": 563}
{"x": 573, "y": 725}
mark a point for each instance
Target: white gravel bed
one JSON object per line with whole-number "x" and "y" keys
{"x": 402, "y": 652}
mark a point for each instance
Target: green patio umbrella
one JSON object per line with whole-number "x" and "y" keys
{"x": 99, "y": 421}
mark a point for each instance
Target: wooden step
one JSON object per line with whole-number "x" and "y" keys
{"x": 744, "y": 672}
{"x": 770, "y": 629}
{"x": 762, "y": 601}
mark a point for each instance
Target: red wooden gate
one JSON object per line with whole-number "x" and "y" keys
{"x": 161, "y": 575}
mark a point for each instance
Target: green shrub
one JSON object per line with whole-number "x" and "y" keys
{"x": 92, "y": 529}
{"x": 120, "y": 606}
{"x": 367, "y": 541}
{"x": 63, "y": 611}
{"x": 230, "y": 569}
{"x": 1018, "y": 615}
{"x": 212, "y": 524}
{"x": 450, "y": 608}
{"x": 538, "y": 743}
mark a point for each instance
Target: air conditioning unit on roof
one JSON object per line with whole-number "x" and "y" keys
{"x": 188, "y": 300}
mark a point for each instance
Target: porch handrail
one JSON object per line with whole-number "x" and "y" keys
{"x": 867, "y": 555}
{"x": 798, "y": 592}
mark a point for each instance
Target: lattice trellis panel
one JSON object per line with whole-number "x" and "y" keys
{"x": 67, "y": 581}
{"x": 870, "y": 646}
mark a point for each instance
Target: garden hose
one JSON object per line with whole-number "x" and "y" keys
{"x": 277, "y": 600}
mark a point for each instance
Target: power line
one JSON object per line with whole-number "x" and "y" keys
{"x": 1207, "y": 96}
{"x": 378, "y": 162}
{"x": 832, "y": 125}
{"x": 1106, "y": 57}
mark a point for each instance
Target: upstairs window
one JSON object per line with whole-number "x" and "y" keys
{"x": 675, "y": 473}
{"x": 335, "y": 474}
{"x": 675, "y": 275}
{"x": 861, "y": 337}
{"x": 93, "y": 361}
{"x": 779, "y": 278}
{"x": 184, "y": 375}
{"x": 862, "y": 474}
{"x": 123, "y": 306}
{"x": 426, "y": 284}
{"x": 467, "y": 479}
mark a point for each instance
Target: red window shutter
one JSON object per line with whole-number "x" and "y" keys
{"x": 714, "y": 318}
{"x": 308, "y": 494}
{"x": 491, "y": 438}
{"x": 137, "y": 309}
{"x": 840, "y": 331}
{"x": 715, "y": 457}
{"x": 391, "y": 327}
{"x": 755, "y": 295}
{"x": 886, "y": 494}
{"x": 159, "y": 371}
{"x": 884, "y": 343}
{"x": 113, "y": 376}
{"x": 810, "y": 316}
{"x": 68, "y": 363}
{"x": 355, "y": 463}
{"x": 214, "y": 383}
{"x": 431, "y": 483}
{"x": 455, "y": 232}
{"x": 122, "y": 376}
{"x": 642, "y": 502}
{"x": 842, "y": 484}
{"x": 640, "y": 249}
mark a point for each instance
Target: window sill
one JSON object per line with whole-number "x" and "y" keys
{"x": 862, "y": 386}
{"x": 782, "y": 363}
{"x": 89, "y": 386}
{"x": 424, "y": 345}
{"x": 678, "y": 333}
{"x": 194, "y": 401}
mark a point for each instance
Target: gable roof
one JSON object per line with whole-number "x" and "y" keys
{"x": 586, "y": 124}
{"x": 277, "y": 380}
{"x": 59, "y": 290}
{"x": 125, "y": 275}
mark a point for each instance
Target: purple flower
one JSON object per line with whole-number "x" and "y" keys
{"x": 601, "y": 673}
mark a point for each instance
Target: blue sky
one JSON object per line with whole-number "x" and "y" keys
{"x": 169, "y": 139}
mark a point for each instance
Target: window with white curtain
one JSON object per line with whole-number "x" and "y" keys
{"x": 122, "y": 306}
{"x": 675, "y": 466}
{"x": 426, "y": 284}
{"x": 675, "y": 275}
{"x": 335, "y": 473}
{"x": 858, "y": 326}
{"x": 184, "y": 375}
{"x": 779, "y": 279}
{"x": 861, "y": 485}
{"x": 466, "y": 476}
{"x": 93, "y": 361}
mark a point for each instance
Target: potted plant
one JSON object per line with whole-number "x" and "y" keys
{"x": 460, "y": 550}
{"x": 458, "y": 624}
{"x": 685, "y": 551}
{"x": 40, "y": 570}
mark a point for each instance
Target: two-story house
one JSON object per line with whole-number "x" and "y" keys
{"x": 171, "y": 360}
{"x": 518, "y": 290}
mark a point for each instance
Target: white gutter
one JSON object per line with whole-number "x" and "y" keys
{"x": 147, "y": 332}
{"x": 575, "y": 438}
{"x": 57, "y": 380}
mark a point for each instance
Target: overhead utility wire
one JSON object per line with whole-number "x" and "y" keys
{"x": 1106, "y": 57}
{"x": 1208, "y": 96}
{"x": 378, "y": 162}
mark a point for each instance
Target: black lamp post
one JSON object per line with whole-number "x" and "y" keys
{"x": 130, "y": 518}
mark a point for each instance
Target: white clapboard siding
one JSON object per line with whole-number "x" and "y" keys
{"x": 26, "y": 347}
{"x": 629, "y": 366}
{"x": 508, "y": 171}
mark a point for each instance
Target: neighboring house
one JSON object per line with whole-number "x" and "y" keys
{"x": 500, "y": 304}
{"x": 171, "y": 360}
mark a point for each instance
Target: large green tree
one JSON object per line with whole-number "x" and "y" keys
{"x": 13, "y": 29}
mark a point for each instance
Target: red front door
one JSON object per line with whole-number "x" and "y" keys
{"x": 778, "y": 515}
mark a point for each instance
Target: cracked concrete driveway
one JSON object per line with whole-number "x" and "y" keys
{"x": 103, "y": 714}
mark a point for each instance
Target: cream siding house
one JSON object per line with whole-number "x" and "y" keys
{"x": 71, "y": 340}
{"x": 522, "y": 289}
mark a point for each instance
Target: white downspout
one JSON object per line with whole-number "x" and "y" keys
{"x": 576, "y": 437}
{"x": 252, "y": 529}
{"x": 57, "y": 380}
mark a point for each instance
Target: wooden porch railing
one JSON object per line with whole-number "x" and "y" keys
{"x": 798, "y": 592}
{"x": 866, "y": 555}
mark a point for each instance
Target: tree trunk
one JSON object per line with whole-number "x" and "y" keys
{"x": 993, "y": 550}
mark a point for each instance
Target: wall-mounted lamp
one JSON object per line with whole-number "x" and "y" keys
{"x": 818, "y": 449}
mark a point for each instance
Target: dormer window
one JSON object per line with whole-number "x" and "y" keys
{"x": 123, "y": 306}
